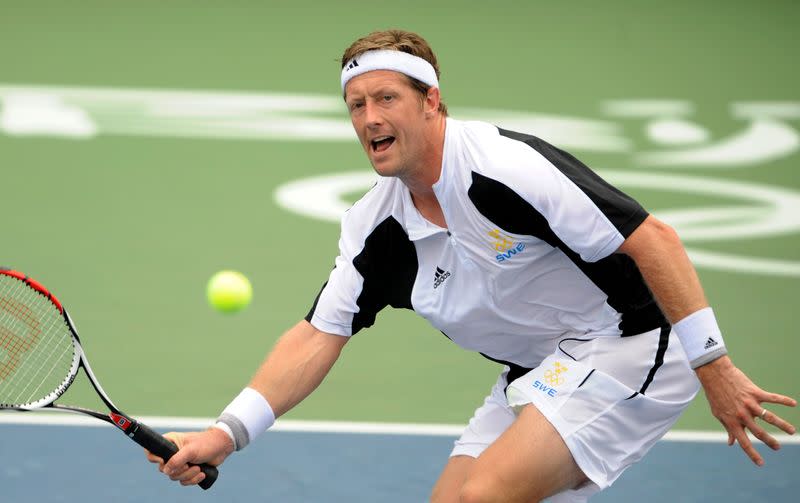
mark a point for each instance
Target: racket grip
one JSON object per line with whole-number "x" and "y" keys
{"x": 163, "y": 448}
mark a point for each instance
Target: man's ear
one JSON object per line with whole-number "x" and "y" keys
{"x": 431, "y": 103}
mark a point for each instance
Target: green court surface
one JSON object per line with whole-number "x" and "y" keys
{"x": 142, "y": 145}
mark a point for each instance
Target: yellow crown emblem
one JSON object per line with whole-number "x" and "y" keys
{"x": 553, "y": 377}
{"x": 501, "y": 242}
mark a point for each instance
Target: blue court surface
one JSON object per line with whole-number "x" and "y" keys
{"x": 65, "y": 463}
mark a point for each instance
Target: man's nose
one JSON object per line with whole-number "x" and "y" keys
{"x": 372, "y": 114}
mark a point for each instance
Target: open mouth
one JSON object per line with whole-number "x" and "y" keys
{"x": 382, "y": 143}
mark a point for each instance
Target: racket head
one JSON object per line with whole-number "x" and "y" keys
{"x": 39, "y": 351}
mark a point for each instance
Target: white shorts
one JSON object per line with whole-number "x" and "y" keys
{"x": 610, "y": 399}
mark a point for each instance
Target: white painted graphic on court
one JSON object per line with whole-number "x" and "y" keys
{"x": 765, "y": 132}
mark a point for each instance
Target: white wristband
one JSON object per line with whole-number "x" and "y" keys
{"x": 246, "y": 417}
{"x": 700, "y": 337}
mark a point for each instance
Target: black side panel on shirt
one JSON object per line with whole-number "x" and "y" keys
{"x": 616, "y": 275}
{"x": 388, "y": 263}
{"x": 622, "y": 210}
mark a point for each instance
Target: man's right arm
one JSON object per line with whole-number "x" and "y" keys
{"x": 293, "y": 369}
{"x": 297, "y": 364}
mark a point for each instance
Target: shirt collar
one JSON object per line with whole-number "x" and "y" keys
{"x": 416, "y": 225}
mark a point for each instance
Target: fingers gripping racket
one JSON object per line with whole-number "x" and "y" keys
{"x": 41, "y": 354}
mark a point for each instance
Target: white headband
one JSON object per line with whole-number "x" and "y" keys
{"x": 396, "y": 61}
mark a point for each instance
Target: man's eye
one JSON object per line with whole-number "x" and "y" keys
{"x": 387, "y": 98}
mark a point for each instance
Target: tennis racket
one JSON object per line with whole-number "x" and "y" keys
{"x": 41, "y": 354}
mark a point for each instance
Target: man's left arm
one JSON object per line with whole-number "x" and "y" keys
{"x": 734, "y": 399}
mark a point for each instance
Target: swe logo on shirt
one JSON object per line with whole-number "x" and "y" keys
{"x": 505, "y": 247}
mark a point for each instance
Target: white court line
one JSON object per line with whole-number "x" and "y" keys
{"x": 446, "y": 430}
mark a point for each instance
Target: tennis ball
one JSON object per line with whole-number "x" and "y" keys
{"x": 229, "y": 291}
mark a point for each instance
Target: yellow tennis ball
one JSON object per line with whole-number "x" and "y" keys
{"x": 229, "y": 291}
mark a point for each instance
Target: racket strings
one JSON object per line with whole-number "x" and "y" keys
{"x": 40, "y": 371}
{"x": 13, "y": 344}
{"x": 42, "y": 354}
{"x": 36, "y": 348}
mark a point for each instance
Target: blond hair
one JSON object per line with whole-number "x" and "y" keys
{"x": 398, "y": 40}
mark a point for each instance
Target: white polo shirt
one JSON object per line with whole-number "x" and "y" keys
{"x": 527, "y": 258}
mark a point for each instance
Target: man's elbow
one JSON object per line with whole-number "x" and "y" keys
{"x": 662, "y": 231}
{"x": 651, "y": 234}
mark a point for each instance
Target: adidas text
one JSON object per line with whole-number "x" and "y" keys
{"x": 439, "y": 277}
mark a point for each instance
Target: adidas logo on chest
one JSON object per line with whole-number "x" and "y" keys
{"x": 439, "y": 276}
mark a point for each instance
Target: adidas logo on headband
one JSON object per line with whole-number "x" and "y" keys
{"x": 387, "y": 59}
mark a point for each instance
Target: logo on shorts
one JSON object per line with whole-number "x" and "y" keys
{"x": 553, "y": 378}
{"x": 504, "y": 246}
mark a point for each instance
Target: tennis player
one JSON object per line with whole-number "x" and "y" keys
{"x": 516, "y": 250}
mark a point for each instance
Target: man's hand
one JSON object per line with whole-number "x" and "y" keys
{"x": 211, "y": 446}
{"x": 736, "y": 402}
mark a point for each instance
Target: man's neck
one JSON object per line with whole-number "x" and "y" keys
{"x": 420, "y": 184}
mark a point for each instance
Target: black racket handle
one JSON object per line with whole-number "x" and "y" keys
{"x": 164, "y": 449}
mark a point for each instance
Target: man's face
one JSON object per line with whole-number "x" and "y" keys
{"x": 390, "y": 121}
